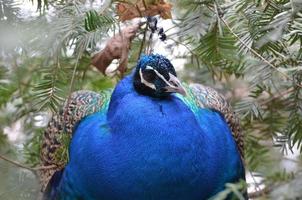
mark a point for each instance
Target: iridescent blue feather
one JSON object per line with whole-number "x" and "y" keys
{"x": 134, "y": 146}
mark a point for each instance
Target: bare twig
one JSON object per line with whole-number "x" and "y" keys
{"x": 283, "y": 93}
{"x": 188, "y": 48}
{"x": 143, "y": 42}
{"x": 258, "y": 194}
{"x": 24, "y": 166}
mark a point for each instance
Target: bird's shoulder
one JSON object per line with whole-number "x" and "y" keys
{"x": 60, "y": 129}
{"x": 200, "y": 97}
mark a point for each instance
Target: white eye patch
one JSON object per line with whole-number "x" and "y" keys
{"x": 151, "y": 85}
{"x": 146, "y": 83}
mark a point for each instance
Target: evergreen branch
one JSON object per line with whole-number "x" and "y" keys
{"x": 256, "y": 53}
{"x": 251, "y": 49}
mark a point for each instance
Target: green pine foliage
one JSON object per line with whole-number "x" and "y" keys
{"x": 232, "y": 191}
{"x": 261, "y": 41}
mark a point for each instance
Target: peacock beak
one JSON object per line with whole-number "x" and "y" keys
{"x": 175, "y": 86}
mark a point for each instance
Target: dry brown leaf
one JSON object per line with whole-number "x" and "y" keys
{"x": 127, "y": 11}
{"x": 117, "y": 47}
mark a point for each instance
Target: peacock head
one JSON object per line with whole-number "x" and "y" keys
{"x": 155, "y": 76}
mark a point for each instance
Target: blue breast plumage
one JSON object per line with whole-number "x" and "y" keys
{"x": 143, "y": 147}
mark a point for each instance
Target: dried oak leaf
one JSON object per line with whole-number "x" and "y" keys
{"x": 117, "y": 47}
{"x": 128, "y": 10}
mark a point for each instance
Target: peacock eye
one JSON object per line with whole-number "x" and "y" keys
{"x": 149, "y": 75}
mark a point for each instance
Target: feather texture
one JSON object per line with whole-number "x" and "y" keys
{"x": 206, "y": 97}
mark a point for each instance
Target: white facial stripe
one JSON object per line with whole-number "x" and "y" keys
{"x": 159, "y": 75}
{"x": 163, "y": 78}
{"x": 149, "y": 67}
{"x": 172, "y": 79}
{"x": 146, "y": 83}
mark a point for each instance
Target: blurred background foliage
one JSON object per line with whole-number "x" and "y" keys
{"x": 249, "y": 50}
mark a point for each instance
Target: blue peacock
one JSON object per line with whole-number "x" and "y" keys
{"x": 152, "y": 137}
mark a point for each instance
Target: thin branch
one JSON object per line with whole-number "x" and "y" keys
{"x": 26, "y": 167}
{"x": 71, "y": 84}
{"x": 143, "y": 42}
{"x": 283, "y": 93}
{"x": 257, "y": 187}
{"x": 44, "y": 167}
{"x": 257, "y": 194}
{"x": 291, "y": 159}
{"x": 172, "y": 27}
{"x": 188, "y": 48}
{"x": 145, "y": 5}
{"x": 16, "y": 163}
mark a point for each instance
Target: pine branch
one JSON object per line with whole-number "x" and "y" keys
{"x": 251, "y": 49}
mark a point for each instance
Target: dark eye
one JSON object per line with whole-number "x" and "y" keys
{"x": 149, "y": 75}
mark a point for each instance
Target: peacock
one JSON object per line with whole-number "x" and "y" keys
{"x": 152, "y": 137}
